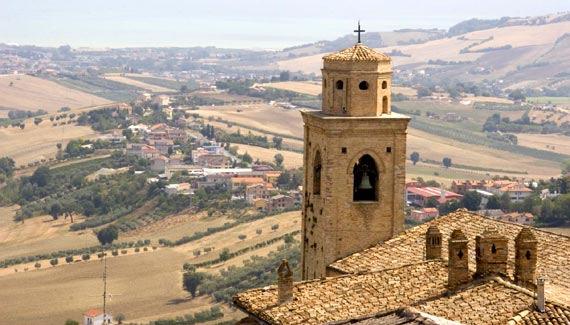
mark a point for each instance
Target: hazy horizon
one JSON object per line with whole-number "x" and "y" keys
{"x": 233, "y": 24}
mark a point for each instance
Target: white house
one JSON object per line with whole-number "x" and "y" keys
{"x": 96, "y": 317}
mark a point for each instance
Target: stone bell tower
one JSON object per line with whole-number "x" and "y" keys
{"x": 355, "y": 155}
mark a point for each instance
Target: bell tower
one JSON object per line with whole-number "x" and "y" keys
{"x": 355, "y": 155}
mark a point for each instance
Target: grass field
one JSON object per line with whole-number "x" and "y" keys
{"x": 34, "y": 143}
{"x": 548, "y": 100}
{"x": 132, "y": 82}
{"x": 146, "y": 285}
{"x": 32, "y": 93}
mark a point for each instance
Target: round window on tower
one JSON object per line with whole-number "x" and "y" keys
{"x": 363, "y": 85}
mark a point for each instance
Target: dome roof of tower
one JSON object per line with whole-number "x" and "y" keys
{"x": 358, "y": 52}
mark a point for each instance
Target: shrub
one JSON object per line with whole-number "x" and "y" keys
{"x": 101, "y": 255}
{"x": 207, "y": 249}
{"x": 145, "y": 249}
{"x": 69, "y": 259}
{"x": 154, "y": 248}
{"x": 115, "y": 253}
{"x": 37, "y": 265}
{"x": 197, "y": 252}
{"x": 258, "y": 231}
{"x": 53, "y": 262}
{"x": 137, "y": 250}
{"x": 85, "y": 257}
{"x": 124, "y": 251}
{"x": 242, "y": 237}
{"x": 275, "y": 227}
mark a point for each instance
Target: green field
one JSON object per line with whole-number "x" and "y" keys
{"x": 548, "y": 100}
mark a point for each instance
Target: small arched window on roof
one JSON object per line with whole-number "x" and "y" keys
{"x": 365, "y": 176}
{"x": 317, "y": 167}
{"x": 339, "y": 84}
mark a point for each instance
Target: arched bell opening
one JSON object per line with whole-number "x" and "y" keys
{"x": 365, "y": 175}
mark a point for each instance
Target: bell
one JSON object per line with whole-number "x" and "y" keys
{"x": 365, "y": 183}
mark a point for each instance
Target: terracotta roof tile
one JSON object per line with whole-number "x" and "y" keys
{"x": 409, "y": 247}
{"x": 554, "y": 314}
{"x": 488, "y": 302}
{"x": 349, "y": 296}
{"x": 358, "y": 52}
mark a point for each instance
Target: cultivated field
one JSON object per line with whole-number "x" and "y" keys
{"x": 34, "y": 143}
{"x": 291, "y": 159}
{"x": 32, "y": 93}
{"x": 271, "y": 119}
{"x": 303, "y": 87}
{"x": 39, "y": 235}
{"x": 132, "y": 82}
{"x": 551, "y": 142}
{"x": 448, "y": 49}
{"x": 259, "y": 116}
{"x": 146, "y": 285}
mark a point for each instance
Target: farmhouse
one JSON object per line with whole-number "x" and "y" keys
{"x": 360, "y": 266}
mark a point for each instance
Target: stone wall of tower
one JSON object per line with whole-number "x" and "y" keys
{"x": 334, "y": 226}
{"x": 351, "y": 100}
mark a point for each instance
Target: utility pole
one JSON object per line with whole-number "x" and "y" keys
{"x": 104, "y": 288}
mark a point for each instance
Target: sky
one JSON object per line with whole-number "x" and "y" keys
{"x": 257, "y": 24}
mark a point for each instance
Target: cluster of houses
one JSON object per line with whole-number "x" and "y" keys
{"x": 210, "y": 167}
{"x": 418, "y": 197}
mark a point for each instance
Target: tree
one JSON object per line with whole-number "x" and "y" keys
{"x": 53, "y": 262}
{"x": 120, "y": 318}
{"x": 246, "y": 158}
{"x": 517, "y": 94}
{"x": 7, "y": 166}
{"x": 493, "y": 203}
{"x": 71, "y": 322}
{"x": 423, "y": 92}
{"x": 279, "y": 160}
{"x": 128, "y": 133}
{"x": 431, "y": 203}
{"x": 38, "y": 120}
{"x": 284, "y": 76}
{"x": 108, "y": 235}
{"x": 449, "y": 207}
{"x": 55, "y": 210}
{"x": 225, "y": 255}
{"x": 68, "y": 259}
{"x": 472, "y": 200}
{"x": 505, "y": 202}
{"x": 415, "y": 157}
{"x": 183, "y": 89}
{"x": 446, "y": 162}
{"x": 278, "y": 142}
{"x": 191, "y": 281}
{"x": 41, "y": 176}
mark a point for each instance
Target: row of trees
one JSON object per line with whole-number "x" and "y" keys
{"x": 415, "y": 158}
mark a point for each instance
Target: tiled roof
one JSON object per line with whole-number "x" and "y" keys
{"x": 349, "y": 296}
{"x": 554, "y": 314}
{"x": 358, "y": 52}
{"x": 93, "y": 312}
{"x": 404, "y": 316}
{"x": 409, "y": 247}
{"x": 492, "y": 301}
